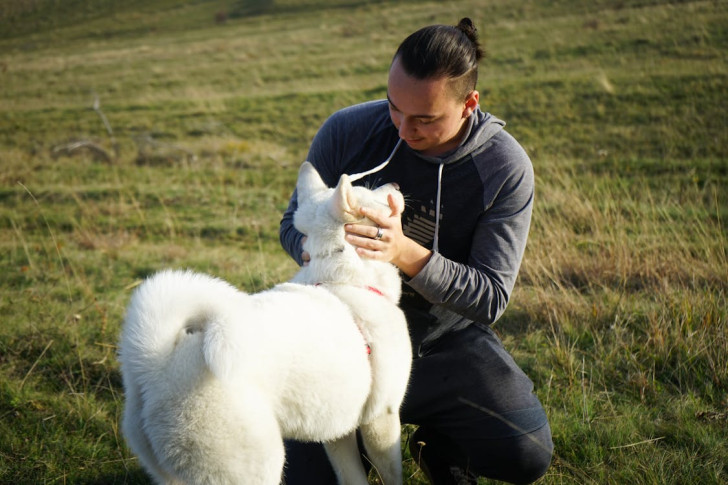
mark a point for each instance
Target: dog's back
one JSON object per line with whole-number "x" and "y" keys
{"x": 209, "y": 370}
{"x": 215, "y": 379}
{"x": 173, "y": 405}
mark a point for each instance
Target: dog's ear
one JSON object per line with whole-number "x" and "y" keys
{"x": 396, "y": 204}
{"x": 309, "y": 182}
{"x": 344, "y": 205}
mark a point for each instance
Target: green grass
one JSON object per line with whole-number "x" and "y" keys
{"x": 620, "y": 312}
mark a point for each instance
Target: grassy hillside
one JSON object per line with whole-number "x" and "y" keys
{"x": 136, "y": 136}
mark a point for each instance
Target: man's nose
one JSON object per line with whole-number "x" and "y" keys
{"x": 406, "y": 130}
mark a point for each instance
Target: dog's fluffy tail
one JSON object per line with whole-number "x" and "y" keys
{"x": 173, "y": 307}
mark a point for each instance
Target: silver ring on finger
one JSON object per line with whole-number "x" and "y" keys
{"x": 380, "y": 233}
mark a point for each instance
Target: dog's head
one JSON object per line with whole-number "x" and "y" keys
{"x": 320, "y": 206}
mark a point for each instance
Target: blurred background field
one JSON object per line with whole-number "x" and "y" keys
{"x": 141, "y": 135}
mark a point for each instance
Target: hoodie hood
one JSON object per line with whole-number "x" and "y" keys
{"x": 481, "y": 128}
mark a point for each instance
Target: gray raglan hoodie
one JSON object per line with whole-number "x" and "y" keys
{"x": 472, "y": 207}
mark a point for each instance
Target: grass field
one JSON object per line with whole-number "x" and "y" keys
{"x": 136, "y": 136}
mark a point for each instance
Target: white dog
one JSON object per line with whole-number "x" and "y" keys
{"x": 216, "y": 379}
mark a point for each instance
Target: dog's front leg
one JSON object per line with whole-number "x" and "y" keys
{"x": 381, "y": 438}
{"x": 346, "y": 461}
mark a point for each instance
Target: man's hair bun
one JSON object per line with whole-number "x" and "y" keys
{"x": 436, "y": 51}
{"x": 467, "y": 26}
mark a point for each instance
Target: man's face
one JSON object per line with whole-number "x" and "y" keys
{"x": 428, "y": 116}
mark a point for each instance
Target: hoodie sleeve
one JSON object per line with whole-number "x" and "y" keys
{"x": 323, "y": 154}
{"x": 333, "y": 151}
{"x": 289, "y": 236}
{"x": 480, "y": 289}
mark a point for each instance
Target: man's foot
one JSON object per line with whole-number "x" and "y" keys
{"x": 437, "y": 471}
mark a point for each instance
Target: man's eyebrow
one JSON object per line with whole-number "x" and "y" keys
{"x": 391, "y": 102}
{"x": 427, "y": 117}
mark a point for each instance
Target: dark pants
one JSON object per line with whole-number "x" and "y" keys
{"x": 475, "y": 409}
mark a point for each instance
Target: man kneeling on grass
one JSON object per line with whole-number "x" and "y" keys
{"x": 469, "y": 188}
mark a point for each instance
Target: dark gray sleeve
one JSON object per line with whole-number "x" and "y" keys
{"x": 289, "y": 236}
{"x": 480, "y": 289}
{"x": 323, "y": 155}
{"x": 335, "y": 145}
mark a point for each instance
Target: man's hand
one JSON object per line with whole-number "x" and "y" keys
{"x": 393, "y": 246}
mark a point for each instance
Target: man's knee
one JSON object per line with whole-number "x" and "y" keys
{"x": 533, "y": 458}
{"x": 522, "y": 459}
{"x": 516, "y": 459}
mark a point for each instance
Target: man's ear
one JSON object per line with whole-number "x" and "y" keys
{"x": 471, "y": 103}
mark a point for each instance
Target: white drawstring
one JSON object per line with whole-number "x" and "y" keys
{"x": 358, "y": 176}
{"x": 436, "y": 240}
